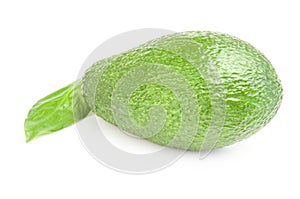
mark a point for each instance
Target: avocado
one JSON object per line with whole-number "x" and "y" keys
{"x": 234, "y": 85}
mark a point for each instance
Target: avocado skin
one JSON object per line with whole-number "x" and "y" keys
{"x": 250, "y": 96}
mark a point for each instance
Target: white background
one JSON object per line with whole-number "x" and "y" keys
{"x": 42, "y": 47}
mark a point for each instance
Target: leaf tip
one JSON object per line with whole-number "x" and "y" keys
{"x": 28, "y": 134}
{"x": 28, "y": 138}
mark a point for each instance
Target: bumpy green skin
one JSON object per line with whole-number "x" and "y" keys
{"x": 251, "y": 91}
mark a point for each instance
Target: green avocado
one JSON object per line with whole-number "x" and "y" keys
{"x": 191, "y": 90}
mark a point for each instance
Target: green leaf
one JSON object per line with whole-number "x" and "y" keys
{"x": 56, "y": 111}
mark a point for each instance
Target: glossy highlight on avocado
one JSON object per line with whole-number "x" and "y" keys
{"x": 191, "y": 90}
